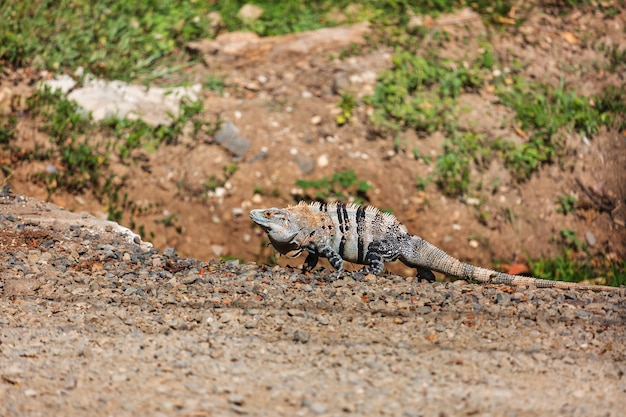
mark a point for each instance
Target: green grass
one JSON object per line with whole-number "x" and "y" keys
{"x": 347, "y": 103}
{"x": 342, "y": 186}
{"x": 81, "y": 163}
{"x": 81, "y": 149}
{"x": 113, "y": 39}
{"x": 7, "y": 130}
{"x": 611, "y": 105}
{"x": 131, "y": 40}
{"x": 566, "y": 204}
{"x": 420, "y": 93}
{"x": 570, "y": 268}
{"x": 133, "y": 134}
{"x": 577, "y": 262}
{"x": 546, "y": 114}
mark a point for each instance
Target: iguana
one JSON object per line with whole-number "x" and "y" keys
{"x": 367, "y": 236}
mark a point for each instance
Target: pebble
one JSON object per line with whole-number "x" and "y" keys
{"x": 315, "y": 407}
{"x": 236, "y": 399}
{"x": 301, "y": 337}
{"x": 229, "y": 137}
{"x": 322, "y": 161}
{"x": 217, "y": 250}
{"x": 340, "y": 83}
{"x": 189, "y": 279}
{"x": 305, "y": 163}
{"x": 29, "y": 392}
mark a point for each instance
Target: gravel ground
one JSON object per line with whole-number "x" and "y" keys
{"x": 95, "y": 322}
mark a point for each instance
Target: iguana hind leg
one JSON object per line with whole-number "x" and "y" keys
{"x": 425, "y": 273}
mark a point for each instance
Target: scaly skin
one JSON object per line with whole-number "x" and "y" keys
{"x": 367, "y": 236}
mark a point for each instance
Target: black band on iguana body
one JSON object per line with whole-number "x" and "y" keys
{"x": 360, "y": 230}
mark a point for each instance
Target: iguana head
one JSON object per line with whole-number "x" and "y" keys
{"x": 280, "y": 227}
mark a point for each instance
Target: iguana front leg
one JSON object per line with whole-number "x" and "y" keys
{"x": 333, "y": 257}
{"x": 310, "y": 262}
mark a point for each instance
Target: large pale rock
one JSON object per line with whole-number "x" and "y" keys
{"x": 243, "y": 47}
{"x": 153, "y": 105}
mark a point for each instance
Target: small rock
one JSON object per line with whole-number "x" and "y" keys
{"x": 590, "y": 237}
{"x": 29, "y": 392}
{"x": 121, "y": 377}
{"x": 189, "y": 279}
{"x": 294, "y": 312}
{"x": 251, "y": 324}
{"x": 340, "y": 83}
{"x": 236, "y": 399}
{"x": 70, "y": 382}
{"x": 302, "y": 337}
{"x": 130, "y": 291}
{"x": 503, "y": 298}
{"x": 220, "y": 192}
{"x": 249, "y": 13}
{"x": 317, "y": 408}
{"x": 218, "y": 250}
{"x": 305, "y": 163}
{"x": 216, "y": 23}
{"x": 315, "y": 120}
{"x": 322, "y": 161}
{"x": 228, "y": 136}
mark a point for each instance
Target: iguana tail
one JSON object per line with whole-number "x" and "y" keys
{"x": 423, "y": 254}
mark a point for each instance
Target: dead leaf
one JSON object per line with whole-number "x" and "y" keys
{"x": 520, "y": 132}
{"x": 570, "y": 38}
{"x": 514, "y": 269}
{"x": 505, "y": 20}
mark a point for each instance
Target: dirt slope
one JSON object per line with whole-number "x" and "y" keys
{"x": 286, "y": 105}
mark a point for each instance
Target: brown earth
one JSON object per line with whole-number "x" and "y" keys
{"x": 286, "y": 104}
